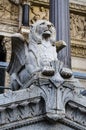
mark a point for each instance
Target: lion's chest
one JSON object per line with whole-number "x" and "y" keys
{"x": 47, "y": 53}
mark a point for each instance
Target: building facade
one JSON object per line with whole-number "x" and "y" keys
{"x": 41, "y": 103}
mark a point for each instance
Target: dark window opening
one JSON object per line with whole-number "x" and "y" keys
{"x": 2, "y": 60}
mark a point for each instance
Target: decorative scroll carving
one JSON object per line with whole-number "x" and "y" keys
{"x": 78, "y": 26}
{"x": 38, "y": 13}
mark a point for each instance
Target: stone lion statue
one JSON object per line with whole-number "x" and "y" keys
{"x": 37, "y": 56}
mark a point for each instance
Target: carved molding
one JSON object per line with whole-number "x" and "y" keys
{"x": 21, "y": 112}
{"x": 8, "y": 28}
{"x": 43, "y": 2}
{"x": 78, "y": 7}
{"x": 78, "y": 48}
{"x": 76, "y": 113}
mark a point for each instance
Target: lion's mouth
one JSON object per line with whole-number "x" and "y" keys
{"x": 46, "y": 34}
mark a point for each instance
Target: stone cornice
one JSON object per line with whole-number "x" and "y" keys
{"x": 38, "y": 2}
{"x": 77, "y": 7}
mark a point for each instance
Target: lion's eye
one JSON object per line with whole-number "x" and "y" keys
{"x": 42, "y": 23}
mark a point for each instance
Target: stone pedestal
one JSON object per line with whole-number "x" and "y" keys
{"x": 47, "y": 107}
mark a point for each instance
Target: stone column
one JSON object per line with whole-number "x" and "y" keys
{"x": 59, "y": 16}
{"x": 25, "y": 14}
{"x": 24, "y": 26}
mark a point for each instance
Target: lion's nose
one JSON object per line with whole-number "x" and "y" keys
{"x": 48, "y": 25}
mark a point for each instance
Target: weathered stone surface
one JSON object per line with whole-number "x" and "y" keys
{"x": 46, "y": 126}
{"x": 45, "y": 101}
{"x": 37, "y": 57}
{"x": 47, "y": 106}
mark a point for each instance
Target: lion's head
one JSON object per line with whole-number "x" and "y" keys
{"x": 42, "y": 30}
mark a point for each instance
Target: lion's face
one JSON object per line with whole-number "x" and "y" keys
{"x": 43, "y": 29}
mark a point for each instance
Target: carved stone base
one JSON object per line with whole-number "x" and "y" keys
{"x": 44, "y": 106}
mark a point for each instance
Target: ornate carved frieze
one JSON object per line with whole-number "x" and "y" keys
{"x": 21, "y": 112}
{"x": 78, "y": 48}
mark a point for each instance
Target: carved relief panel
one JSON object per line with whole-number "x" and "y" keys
{"x": 78, "y": 30}
{"x": 8, "y": 11}
{"x": 9, "y": 17}
{"x": 37, "y": 13}
{"x": 78, "y": 26}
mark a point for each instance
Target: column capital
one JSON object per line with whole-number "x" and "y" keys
{"x": 25, "y": 2}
